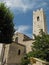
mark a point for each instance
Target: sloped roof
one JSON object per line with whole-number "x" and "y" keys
{"x": 26, "y": 38}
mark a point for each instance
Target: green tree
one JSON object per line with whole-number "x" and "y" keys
{"x": 6, "y": 24}
{"x": 25, "y": 60}
{"x": 40, "y": 48}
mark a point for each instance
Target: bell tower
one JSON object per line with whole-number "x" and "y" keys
{"x": 39, "y": 21}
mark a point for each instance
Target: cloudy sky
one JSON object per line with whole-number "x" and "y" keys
{"x": 23, "y": 13}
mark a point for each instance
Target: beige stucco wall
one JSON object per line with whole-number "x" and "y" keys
{"x": 36, "y": 61}
{"x": 11, "y": 53}
{"x": 28, "y": 45}
{"x": 20, "y": 37}
{"x": 6, "y": 52}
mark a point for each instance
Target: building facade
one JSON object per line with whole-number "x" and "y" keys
{"x": 13, "y": 53}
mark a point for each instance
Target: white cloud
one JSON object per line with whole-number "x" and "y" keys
{"x": 19, "y": 4}
{"x": 24, "y": 5}
{"x": 22, "y": 28}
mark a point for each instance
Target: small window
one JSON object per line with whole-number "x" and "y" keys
{"x": 16, "y": 40}
{"x": 38, "y": 18}
{"x": 19, "y": 52}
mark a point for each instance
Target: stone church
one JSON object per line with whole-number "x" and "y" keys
{"x": 13, "y": 53}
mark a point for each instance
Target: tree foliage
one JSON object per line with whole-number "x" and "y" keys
{"x": 25, "y": 60}
{"x": 6, "y": 24}
{"x": 40, "y": 48}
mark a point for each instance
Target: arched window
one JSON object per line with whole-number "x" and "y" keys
{"x": 38, "y": 18}
{"x": 16, "y": 39}
{"x": 19, "y": 51}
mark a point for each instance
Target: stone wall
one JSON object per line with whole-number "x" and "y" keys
{"x": 13, "y": 54}
{"x": 39, "y": 21}
{"x": 36, "y": 61}
{"x": 24, "y": 40}
{"x": 28, "y": 45}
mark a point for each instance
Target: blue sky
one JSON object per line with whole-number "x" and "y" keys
{"x": 23, "y": 13}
